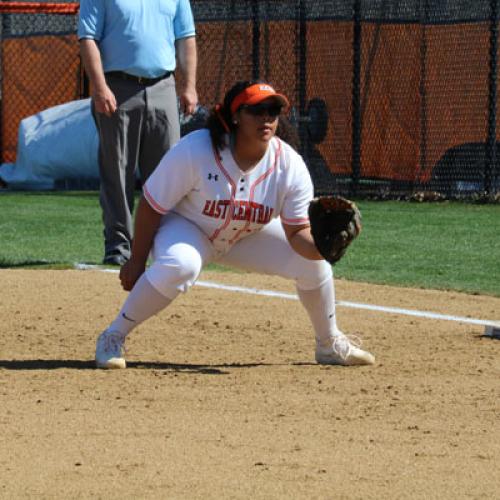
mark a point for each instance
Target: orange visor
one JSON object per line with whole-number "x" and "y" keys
{"x": 255, "y": 94}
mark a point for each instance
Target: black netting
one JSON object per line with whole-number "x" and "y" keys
{"x": 425, "y": 11}
{"x": 390, "y": 97}
{"x": 38, "y": 24}
{"x": 40, "y": 67}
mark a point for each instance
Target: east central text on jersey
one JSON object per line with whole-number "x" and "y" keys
{"x": 250, "y": 211}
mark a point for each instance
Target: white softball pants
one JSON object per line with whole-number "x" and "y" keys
{"x": 181, "y": 251}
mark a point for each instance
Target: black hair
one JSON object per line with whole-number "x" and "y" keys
{"x": 220, "y": 122}
{"x": 221, "y": 117}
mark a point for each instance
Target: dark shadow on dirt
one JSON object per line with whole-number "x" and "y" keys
{"x": 76, "y": 364}
{"x": 45, "y": 364}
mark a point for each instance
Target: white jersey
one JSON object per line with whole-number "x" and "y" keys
{"x": 224, "y": 202}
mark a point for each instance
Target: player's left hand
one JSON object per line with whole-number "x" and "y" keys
{"x": 335, "y": 223}
{"x": 130, "y": 272}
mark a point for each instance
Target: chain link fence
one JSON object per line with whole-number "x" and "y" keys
{"x": 391, "y": 98}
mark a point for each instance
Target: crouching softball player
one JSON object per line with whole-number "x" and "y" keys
{"x": 234, "y": 193}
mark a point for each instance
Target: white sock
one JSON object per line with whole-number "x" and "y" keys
{"x": 320, "y": 306}
{"x": 143, "y": 302}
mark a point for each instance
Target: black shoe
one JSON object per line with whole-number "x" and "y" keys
{"x": 115, "y": 259}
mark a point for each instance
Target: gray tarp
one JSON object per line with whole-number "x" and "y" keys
{"x": 57, "y": 143}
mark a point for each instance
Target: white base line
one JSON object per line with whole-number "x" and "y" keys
{"x": 354, "y": 305}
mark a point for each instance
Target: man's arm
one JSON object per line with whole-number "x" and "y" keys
{"x": 187, "y": 60}
{"x": 103, "y": 97}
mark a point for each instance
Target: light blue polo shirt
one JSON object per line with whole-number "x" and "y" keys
{"x": 136, "y": 36}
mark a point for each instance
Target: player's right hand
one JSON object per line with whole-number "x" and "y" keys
{"x": 130, "y": 272}
{"x": 104, "y": 100}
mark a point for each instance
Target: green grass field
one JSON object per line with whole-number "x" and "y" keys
{"x": 454, "y": 246}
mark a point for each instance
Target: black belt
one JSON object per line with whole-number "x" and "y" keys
{"x": 141, "y": 80}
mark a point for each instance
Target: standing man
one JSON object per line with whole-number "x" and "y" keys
{"x": 129, "y": 49}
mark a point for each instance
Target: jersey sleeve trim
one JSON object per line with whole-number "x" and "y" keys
{"x": 295, "y": 222}
{"x": 153, "y": 204}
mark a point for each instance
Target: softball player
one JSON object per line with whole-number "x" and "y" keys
{"x": 237, "y": 194}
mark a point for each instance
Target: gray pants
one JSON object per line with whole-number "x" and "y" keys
{"x": 144, "y": 126}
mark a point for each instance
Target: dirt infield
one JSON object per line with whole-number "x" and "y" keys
{"x": 222, "y": 398}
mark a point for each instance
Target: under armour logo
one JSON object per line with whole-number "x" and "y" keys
{"x": 127, "y": 318}
{"x": 215, "y": 177}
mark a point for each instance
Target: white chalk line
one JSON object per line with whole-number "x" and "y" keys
{"x": 340, "y": 303}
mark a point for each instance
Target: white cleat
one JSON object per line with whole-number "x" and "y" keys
{"x": 109, "y": 350}
{"x": 343, "y": 352}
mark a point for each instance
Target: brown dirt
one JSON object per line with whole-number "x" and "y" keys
{"x": 222, "y": 398}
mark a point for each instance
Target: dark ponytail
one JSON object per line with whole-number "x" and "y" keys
{"x": 220, "y": 122}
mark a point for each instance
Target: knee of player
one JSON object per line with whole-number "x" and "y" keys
{"x": 175, "y": 274}
{"x": 311, "y": 274}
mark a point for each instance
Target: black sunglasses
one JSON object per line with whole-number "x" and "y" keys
{"x": 261, "y": 109}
